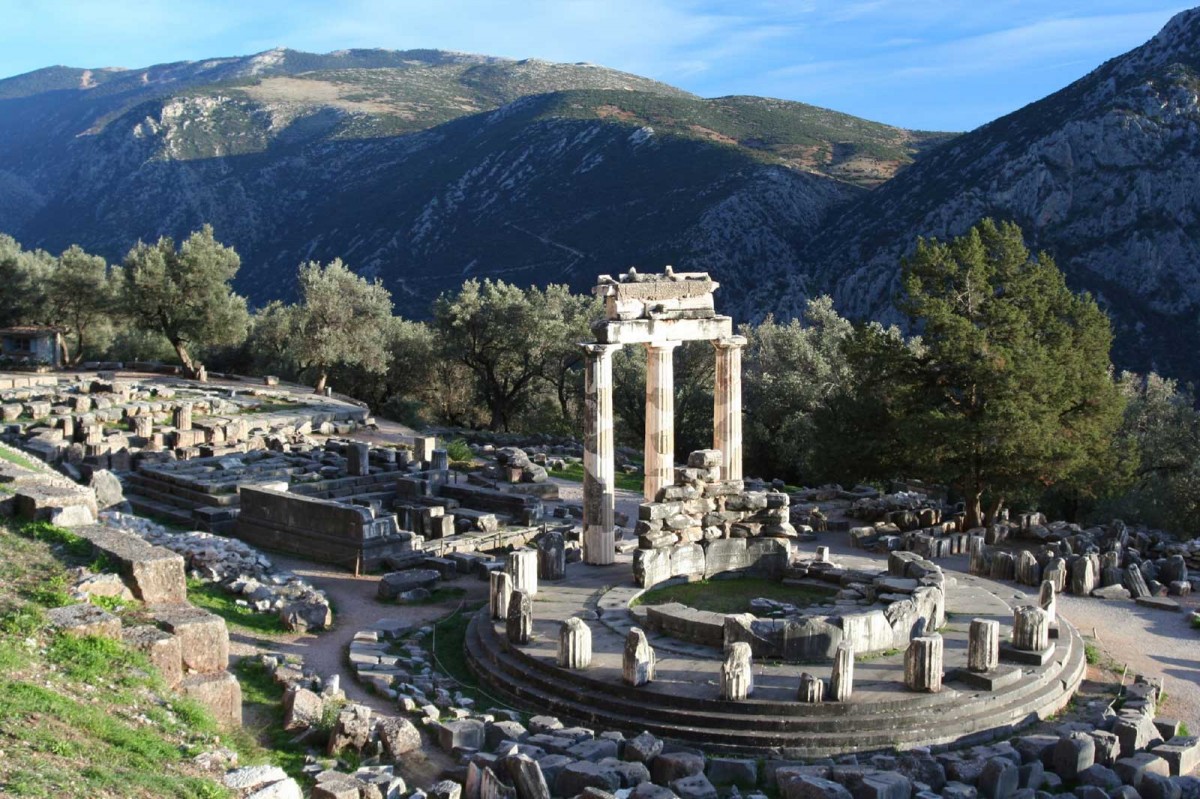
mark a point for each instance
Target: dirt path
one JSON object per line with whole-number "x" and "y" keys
{"x": 354, "y": 608}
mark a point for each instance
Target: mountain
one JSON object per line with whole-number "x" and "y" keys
{"x": 426, "y": 167}
{"x": 1104, "y": 175}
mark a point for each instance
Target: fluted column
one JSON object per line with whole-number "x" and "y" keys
{"x": 727, "y": 405}
{"x": 660, "y": 417}
{"x": 599, "y": 472}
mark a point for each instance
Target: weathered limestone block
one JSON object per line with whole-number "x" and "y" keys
{"x": 398, "y": 735}
{"x": 637, "y": 664}
{"x": 500, "y": 585}
{"x": 1074, "y": 753}
{"x": 220, "y": 692}
{"x": 519, "y": 622}
{"x": 302, "y": 709}
{"x": 1135, "y": 581}
{"x": 1048, "y": 600}
{"x": 1182, "y": 754}
{"x": 522, "y": 567}
{"x": 1003, "y": 566}
{"x": 160, "y": 647}
{"x": 84, "y": 620}
{"x": 574, "y": 644}
{"x": 1056, "y": 573}
{"x": 461, "y": 734}
{"x": 841, "y": 684}
{"x": 812, "y": 689}
{"x": 1083, "y": 577}
{"x": 867, "y": 632}
{"x": 923, "y": 664}
{"x": 203, "y": 637}
{"x": 1029, "y": 572}
{"x": 183, "y": 417}
{"x": 357, "y": 459}
{"x": 1031, "y": 629}
{"x": 983, "y": 645}
{"x": 352, "y": 730}
{"x": 527, "y": 777}
{"x": 687, "y": 560}
{"x": 552, "y": 556}
{"x": 651, "y": 567}
{"x": 737, "y": 677}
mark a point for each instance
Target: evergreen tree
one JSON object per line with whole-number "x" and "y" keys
{"x": 186, "y": 294}
{"x": 342, "y": 321}
{"x": 1012, "y": 387}
{"x": 80, "y": 299}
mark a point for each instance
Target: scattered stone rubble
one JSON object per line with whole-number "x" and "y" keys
{"x": 1109, "y": 561}
{"x": 239, "y": 569}
{"x": 102, "y": 421}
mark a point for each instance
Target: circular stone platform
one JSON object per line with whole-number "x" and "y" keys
{"x": 683, "y": 703}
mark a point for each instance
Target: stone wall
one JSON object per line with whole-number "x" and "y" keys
{"x": 320, "y": 529}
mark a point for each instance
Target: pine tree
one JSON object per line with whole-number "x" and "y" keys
{"x": 1012, "y": 387}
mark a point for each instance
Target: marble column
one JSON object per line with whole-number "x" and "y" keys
{"x": 660, "y": 417}
{"x": 983, "y": 645}
{"x": 841, "y": 683}
{"x": 599, "y": 471}
{"x": 727, "y": 405}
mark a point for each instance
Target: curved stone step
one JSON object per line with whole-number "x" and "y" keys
{"x": 819, "y": 731}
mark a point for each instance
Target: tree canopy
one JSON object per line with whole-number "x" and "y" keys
{"x": 186, "y": 293}
{"x": 1011, "y": 389}
{"x": 341, "y": 320}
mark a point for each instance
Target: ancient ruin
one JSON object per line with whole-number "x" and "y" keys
{"x": 658, "y": 311}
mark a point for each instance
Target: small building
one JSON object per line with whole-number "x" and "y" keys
{"x": 35, "y": 344}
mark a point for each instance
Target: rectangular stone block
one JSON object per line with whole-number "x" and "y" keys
{"x": 203, "y": 637}
{"x": 220, "y": 693}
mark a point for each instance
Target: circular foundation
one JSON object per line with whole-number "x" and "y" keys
{"x": 683, "y": 704}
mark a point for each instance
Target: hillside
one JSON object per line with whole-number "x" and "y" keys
{"x": 1104, "y": 175}
{"x": 423, "y": 167}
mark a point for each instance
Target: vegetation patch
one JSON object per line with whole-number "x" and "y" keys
{"x": 574, "y": 473}
{"x": 215, "y": 599}
{"x": 734, "y": 595}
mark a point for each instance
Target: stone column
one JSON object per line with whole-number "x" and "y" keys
{"x": 1031, "y": 629}
{"x": 574, "y": 644}
{"x": 983, "y": 645}
{"x": 522, "y": 567}
{"x": 439, "y": 460}
{"x": 637, "y": 664}
{"x": 727, "y": 405}
{"x": 660, "y": 417}
{"x": 183, "y": 417}
{"x": 977, "y": 556}
{"x": 519, "y": 622}
{"x": 358, "y": 459}
{"x": 841, "y": 684}
{"x": 552, "y": 556}
{"x": 1048, "y": 600}
{"x": 737, "y": 677}
{"x": 812, "y": 689}
{"x": 599, "y": 471}
{"x": 923, "y": 664}
{"x": 501, "y": 588}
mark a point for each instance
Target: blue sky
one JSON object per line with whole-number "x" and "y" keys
{"x": 929, "y": 64}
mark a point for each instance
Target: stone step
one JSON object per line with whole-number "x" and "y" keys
{"x": 154, "y": 487}
{"x": 823, "y": 730}
{"x": 145, "y": 506}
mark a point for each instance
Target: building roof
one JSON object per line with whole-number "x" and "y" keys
{"x": 29, "y": 330}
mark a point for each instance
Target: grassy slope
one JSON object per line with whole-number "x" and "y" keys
{"x": 87, "y": 716}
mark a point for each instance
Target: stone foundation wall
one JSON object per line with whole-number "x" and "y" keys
{"x": 320, "y": 529}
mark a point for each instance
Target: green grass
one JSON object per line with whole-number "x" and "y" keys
{"x": 1091, "y": 653}
{"x": 262, "y": 699}
{"x": 574, "y": 473}
{"x": 20, "y": 460}
{"x": 449, "y": 642}
{"x": 1196, "y": 622}
{"x": 216, "y": 600}
{"x": 733, "y": 596}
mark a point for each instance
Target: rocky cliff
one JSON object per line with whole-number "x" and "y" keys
{"x": 1104, "y": 175}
